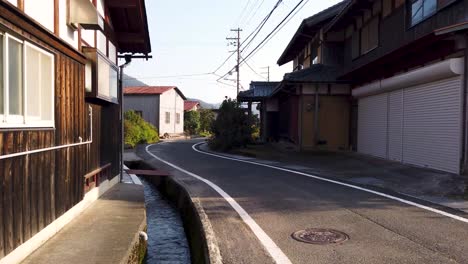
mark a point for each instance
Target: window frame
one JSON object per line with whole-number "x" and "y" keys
{"x": 409, "y": 15}
{"x": 167, "y": 117}
{"x": 94, "y": 55}
{"x": 23, "y": 121}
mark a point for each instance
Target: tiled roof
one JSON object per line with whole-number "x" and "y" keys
{"x": 317, "y": 73}
{"x": 258, "y": 90}
{"x": 147, "y": 89}
{"x": 308, "y": 28}
{"x": 189, "y": 105}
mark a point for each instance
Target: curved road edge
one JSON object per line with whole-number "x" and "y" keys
{"x": 464, "y": 218}
{"x": 269, "y": 245}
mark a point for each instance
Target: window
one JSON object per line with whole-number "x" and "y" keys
{"x": 315, "y": 60}
{"x": 355, "y": 45}
{"x": 101, "y": 79}
{"x": 140, "y": 113}
{"x": 370, "y": 35}
{"x": 26, "y": 84}
{"x": 178, "y": 118}
{"x": 421, "y": 9}
{"x": 168, "y": 117}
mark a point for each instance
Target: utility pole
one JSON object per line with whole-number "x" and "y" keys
{"x": 238, "y": 44}
{"x": 267, "y": 72}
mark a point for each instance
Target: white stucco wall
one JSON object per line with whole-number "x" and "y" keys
{"x": 41, "y": 11}
{"x": 173, "y": 103}
{"x": 13, "y": 2}
{"x": 66, "y": 33}
{"x": 88, "y": 37}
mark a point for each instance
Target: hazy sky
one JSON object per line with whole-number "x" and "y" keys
{"x": 189, "y": 37}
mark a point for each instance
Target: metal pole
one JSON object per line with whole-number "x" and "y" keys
{"x": 128, "y": 59}
{"x": 238, "y": 59}
{"x": 237, "y": 39}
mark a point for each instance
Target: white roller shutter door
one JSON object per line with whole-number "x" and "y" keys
{"x": 432, "y": 125}
{"x": 395, "y": 125}
{"x": 372, "y": 125}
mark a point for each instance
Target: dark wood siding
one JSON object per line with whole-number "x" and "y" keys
{"x": 38, "y": 188}
{"x": 395, "y": 33}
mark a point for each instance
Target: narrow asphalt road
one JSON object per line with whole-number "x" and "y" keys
{"x": 381, "y": 230}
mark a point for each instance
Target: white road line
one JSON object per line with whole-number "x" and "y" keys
{"x": 437, "y": 211}
{"x": 275, "y": 252}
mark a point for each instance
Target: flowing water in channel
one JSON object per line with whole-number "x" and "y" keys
{"x": 167, "y": 242}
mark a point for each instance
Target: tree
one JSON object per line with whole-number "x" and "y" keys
{"x": 207, "y": 118}
{"x": 233, "y": 128}
{"x": 192, "y": 122}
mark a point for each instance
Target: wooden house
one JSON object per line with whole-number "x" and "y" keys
{"x": 313, "y": 104}
{"x": 60, "y": 128}
{"x": 408, "y": 63}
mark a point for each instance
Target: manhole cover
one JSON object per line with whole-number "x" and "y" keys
{"x": 320, "y": 236}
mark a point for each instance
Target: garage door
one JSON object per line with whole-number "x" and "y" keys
{"x": 372, "y": 125}
{"x": 432, "y": 125}
{"x": 418, "y": 125}
{"x": 395, "y": 125}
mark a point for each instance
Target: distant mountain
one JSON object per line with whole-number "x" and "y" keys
{"x": 131, "y": 81}
{"x": 205, "y": 105}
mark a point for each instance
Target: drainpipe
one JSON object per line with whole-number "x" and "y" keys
{"x": 316, "y": 116}
{"x": 128, "y": 59}
{"x": 464, "y": 157}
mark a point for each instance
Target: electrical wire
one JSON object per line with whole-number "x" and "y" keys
{"x": 273, "y": 31}
{"x": 255, "y": 31}
{"x": 261, "y": 76}
{"x": 268, "y": 37}
{"x": 276, "y": 32}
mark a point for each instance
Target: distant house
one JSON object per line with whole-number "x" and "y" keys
{"x": 260, "y": 92}
{"x": 162, "y": 106}
{"x": 313, "y": 103}
{"x": 191, "y": 105}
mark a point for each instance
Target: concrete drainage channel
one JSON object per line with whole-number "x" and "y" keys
{"x": 190, "y": 213}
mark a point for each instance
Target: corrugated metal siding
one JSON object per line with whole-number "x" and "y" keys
{"x": 432, "y": 123}
{"x": 147, "y": 104}
{"x": 372, "y": 125}
{"x": 395, "y": 125}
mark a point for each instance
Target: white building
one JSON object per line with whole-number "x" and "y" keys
{"x": 162, "y": 106}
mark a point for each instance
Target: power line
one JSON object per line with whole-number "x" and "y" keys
{"x": 257, "y": 30}
{"x": 276, "y": 32}
{"x": 255, "y": 71}
{"x": 265, "y": 39}
{"x": 171, "y": 76}
{"x": 270, "y": 35}
{"x": 256, "y": 10}
{"x": 242, "y": 12}
{"x": 261, "y": 25}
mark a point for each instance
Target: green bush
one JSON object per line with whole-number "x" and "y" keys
{"x": 206, "y": 134}
{"x": 233, "y": 128}
{"x": 192, "y": 122}
{"x": 207, "y": 118}
{"x": 138, "y": 131}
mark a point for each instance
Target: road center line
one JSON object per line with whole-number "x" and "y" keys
{"x": 437, "y": 211}
{"x": 275, "y": 252}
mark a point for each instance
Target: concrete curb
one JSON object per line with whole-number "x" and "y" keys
{"x": 137, "y": 251}
{"x": 201, "y": 236}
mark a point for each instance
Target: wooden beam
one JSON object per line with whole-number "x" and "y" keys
{"x": 21, "y": 5}
{"x": 57, "y": 16}
{"x": 123, "y": 37}
{"x": 122, "y": 4}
